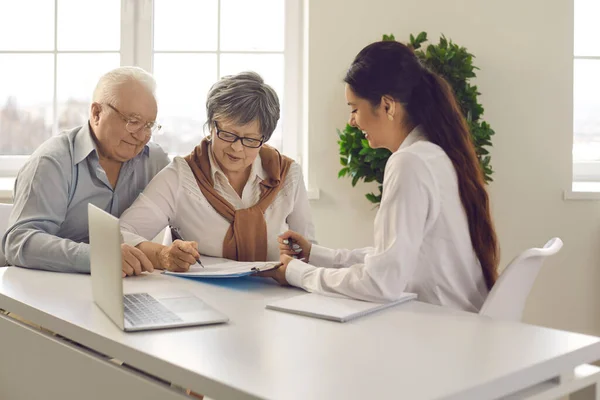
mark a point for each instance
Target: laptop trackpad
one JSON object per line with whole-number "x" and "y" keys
{"x": 184, "y": 304}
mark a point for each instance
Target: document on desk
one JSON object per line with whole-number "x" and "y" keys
{"x": 339, "y": 309}
{"x": 213, "y": 267}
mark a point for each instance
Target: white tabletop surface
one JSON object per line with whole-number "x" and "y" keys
{"x": 411, "y": 351}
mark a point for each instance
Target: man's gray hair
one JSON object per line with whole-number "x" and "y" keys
{"x": 241, "y": 99}
{"x": 108, "y": 85}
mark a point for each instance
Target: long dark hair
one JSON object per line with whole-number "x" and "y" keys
{"x": 391, "y": 68}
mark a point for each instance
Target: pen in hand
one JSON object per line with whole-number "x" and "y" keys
{"x": 176, "y": 235}
{"x": 295, "y": 247}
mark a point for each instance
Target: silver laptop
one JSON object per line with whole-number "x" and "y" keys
{"x": 136, "y": 311}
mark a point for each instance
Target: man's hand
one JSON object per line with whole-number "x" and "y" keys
{"x": 134, "y": 261}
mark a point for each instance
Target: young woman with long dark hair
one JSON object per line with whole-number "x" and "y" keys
{"x": 434, "y": 234}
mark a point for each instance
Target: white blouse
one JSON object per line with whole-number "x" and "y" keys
{"x": 422, "y": 239}
{"x": 174, "y": 198}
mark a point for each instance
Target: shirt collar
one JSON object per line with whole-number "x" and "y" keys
{"x": 256, "y": 171}
{"x": 416, "y": 135}
{"x": 84, "y": 145}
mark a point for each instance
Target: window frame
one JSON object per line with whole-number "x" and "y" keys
{"x": 583, "y": 171}
{"x": 137, "y": 49}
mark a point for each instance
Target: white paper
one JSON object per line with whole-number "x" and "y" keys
{"x": 222, "y": 267}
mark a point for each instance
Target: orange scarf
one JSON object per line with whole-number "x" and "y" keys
{"x": 246, "y": 239}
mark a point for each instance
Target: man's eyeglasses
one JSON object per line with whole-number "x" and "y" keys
{"x": 232, "y": 138}
{"x": 134, "y": 125}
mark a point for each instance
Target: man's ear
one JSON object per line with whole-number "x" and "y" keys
{"x": 95, "y": 110}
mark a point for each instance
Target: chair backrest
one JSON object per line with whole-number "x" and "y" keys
{"x": 507, "y": 298}
{"x": 4, "y": 213}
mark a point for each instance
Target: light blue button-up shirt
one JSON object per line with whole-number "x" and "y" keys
{"x": 48, "y": 226}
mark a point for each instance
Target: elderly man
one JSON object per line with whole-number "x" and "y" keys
{"x": 106, "y": 162}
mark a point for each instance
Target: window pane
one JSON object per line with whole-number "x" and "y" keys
{"x": 89, "y": 25}
{"x": 586, "y": 145}
{"x": 276, "y": 139}
{"x": 587, "y": 28}
{"x": 270, "y": 67}
{"x": 252, "y": 25}
{"x": 185, "y": 25}
{"x": 183, "y": 80}
{"x": 27, "y": 25}
{"x": 77, "y": 75}
{"x": 26, "y": 91}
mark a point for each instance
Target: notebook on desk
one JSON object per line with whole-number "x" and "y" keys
{"x": 332, "y": 308}
{"x": 213, "y": 267}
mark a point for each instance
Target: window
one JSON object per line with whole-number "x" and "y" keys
{"x": 196, "y": 42}
{"x": 51, "y": 58}
{"x": 51, "y": 54}
{"x": 586, "y": 86}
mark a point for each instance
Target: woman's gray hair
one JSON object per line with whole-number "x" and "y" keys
{"x": 108, "y": 85}
{"x": 241, "y": 99}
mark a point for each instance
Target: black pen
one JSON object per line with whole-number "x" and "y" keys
{"x": 290, "y": 242}
{"x": 177, "y": 236}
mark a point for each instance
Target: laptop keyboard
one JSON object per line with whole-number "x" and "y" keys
{"x": 143, "y": 309}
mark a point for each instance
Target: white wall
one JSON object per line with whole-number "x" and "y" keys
{"x": 524, "y": 50}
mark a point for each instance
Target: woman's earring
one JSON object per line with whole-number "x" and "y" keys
{"x": 390, "y": 117}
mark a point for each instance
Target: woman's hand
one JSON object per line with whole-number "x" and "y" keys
{"x": 294, "y": 245}
{"x": 278, "y": 273}
{"x": 178, "y": 256}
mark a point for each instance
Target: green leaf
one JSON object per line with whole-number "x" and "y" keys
{"x": 372, "y": 198}
{"x": 369, "y": 179}
{"x": 342, "y": 172}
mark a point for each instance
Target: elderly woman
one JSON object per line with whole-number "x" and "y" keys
{"x": 232, "y": 195}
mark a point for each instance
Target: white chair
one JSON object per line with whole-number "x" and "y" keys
{"x": 507, "y": 298}
{"x": 4, "y": 213}
{"x": 507, "y": 301}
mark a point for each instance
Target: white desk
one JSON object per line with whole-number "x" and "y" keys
{"x": 412, "y": 351}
